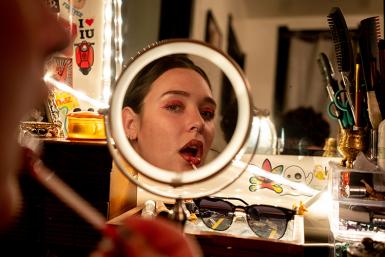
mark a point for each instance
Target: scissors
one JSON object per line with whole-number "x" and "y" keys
{"x": 339, "y": 109}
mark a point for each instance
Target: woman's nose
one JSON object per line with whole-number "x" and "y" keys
{"x": 195, "y": 121}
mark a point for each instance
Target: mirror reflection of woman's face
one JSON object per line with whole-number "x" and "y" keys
{"x": 175, "y": 128}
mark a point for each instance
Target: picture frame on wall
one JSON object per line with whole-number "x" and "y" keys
{"x": 213, "y": 33}
{"x": 229, "y": 103}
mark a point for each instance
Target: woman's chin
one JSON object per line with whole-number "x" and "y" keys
{"x": 180, "y": 167}
{"x": 177, "y": 165}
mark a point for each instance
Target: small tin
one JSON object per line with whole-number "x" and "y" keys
{"x": 355, "y": 191}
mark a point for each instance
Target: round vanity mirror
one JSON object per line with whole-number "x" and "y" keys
{"x": 172, "y": 132}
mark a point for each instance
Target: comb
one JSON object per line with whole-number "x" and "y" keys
{"x": 369, "y": 37}
{"x": 341, "y": 39}
{"x": 344, "y": 52}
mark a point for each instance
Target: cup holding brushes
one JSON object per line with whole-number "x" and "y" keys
{"x": 350, "y": 143}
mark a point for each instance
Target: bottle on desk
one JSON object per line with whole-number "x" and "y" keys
{"x": 148, "y": 210}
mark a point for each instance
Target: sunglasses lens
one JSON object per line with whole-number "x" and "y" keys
{"x": 217, "y": 215}
{"x": 267, "y": 221}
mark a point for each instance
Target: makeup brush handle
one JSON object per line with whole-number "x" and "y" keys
{"x": 357, "y": 109}
{"x": 381, "y": 145}
{"x": 349, "y": 94}
{"x": 373, "y": 110}
{"x": 358, "y": 96}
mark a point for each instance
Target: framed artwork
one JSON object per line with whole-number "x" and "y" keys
{"x": 229, "y": 103}
{"x": 43, "y": 121}
{"x": 213, "y": 33}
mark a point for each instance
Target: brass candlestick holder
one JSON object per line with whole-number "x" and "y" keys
{"x": 350, "y": 143}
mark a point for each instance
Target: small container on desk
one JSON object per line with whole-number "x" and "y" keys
{"x": 85, "y": 125}
{"x": 358, "y": 210}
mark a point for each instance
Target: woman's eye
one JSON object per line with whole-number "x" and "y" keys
{"x": 208, "y": 114}
{"x": 174, "y": 107}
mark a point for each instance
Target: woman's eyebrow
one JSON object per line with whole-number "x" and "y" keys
{"x": 210, "y": 100}
{"x": 207, "y": 99}
{"x": 175, "y": 92}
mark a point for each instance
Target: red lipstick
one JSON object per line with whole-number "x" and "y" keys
{"x": 192, "y": 152}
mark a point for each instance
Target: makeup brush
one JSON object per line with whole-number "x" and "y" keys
{"x": 374, "y": 112}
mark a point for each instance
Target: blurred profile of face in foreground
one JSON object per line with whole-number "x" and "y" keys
{"x": 31, "y": 33}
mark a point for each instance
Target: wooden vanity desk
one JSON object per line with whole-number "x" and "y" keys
{"x": 214, "y": 244}
{"x": 228, "y": 246}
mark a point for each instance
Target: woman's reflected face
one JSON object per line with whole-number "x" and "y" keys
{"x": 175, "y": 127}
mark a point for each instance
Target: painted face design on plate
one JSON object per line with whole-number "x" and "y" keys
{"x": 260, "y": 182}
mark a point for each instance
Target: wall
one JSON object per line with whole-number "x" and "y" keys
{"x": 140, "y": 25}
{"x": 220, "y": 12}
{"x": 256, "y": 25}
{"x": 259, "y": 39}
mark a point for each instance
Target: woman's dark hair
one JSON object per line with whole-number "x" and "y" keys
{"x": 141, "y": 84}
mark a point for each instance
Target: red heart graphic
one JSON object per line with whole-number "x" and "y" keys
{"x": 89, "y": 21}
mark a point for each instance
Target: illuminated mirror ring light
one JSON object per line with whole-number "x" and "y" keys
{"x": 241, "y": 133}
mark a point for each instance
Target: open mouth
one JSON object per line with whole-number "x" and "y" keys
{"x": 192, "y": 152}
